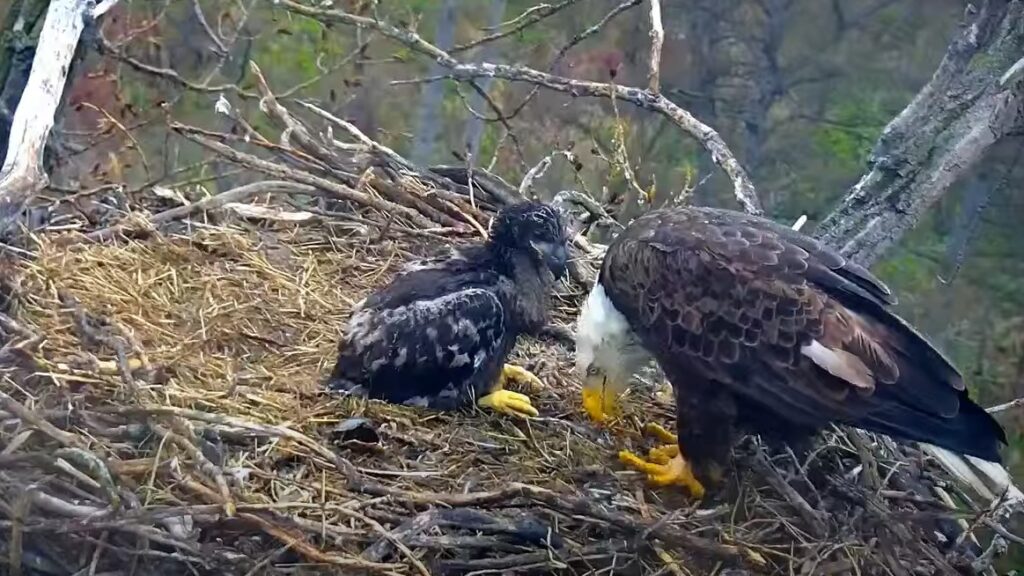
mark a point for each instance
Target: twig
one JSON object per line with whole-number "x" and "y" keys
{"x": 813, "y": 517}
{"x": 276, "y": 170}
{"x": 413, "y": 527}
{"x": 572, "y": 505}
{"x": 541, "y": 167}
{"x": 520, "y": 23}
{"x": 1017, "y": 403}
{"x": 395, "y": 540}
{"x": 311, "y": 552}
{"x": 18, "y": 409}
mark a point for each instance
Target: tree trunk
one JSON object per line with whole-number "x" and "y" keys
{"x": 938, "y": 137}
{"x": 23, "y": 173}
{"x": 739, "y": 72}
{"x": 20, "y": 32}
{"x": 431, "y": 98}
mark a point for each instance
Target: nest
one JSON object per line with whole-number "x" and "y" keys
{"x": 162, "y": 412}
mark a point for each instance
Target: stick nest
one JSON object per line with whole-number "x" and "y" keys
{"x": 162, "y": 412}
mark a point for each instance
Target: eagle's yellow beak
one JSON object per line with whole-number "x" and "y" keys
{"x": 600, "y": 398}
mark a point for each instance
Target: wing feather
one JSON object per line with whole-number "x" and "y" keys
{"x": 425, "y": 350}
{"x": 781, "y": 319}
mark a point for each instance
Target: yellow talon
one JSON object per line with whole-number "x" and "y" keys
{"x": 652, "y": 429}
{"x": 513, "y": 373}
{"x": 508, "y": 402}
{"x": 675, "y": 471}
{"x": 662, "y": 454}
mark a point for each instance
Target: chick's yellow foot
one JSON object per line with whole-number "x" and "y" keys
{"x": 508, "y": 402}
{"x": 599, "y": 405}
{"x": 672, "y": 471}
{"x": 513, "y": 373}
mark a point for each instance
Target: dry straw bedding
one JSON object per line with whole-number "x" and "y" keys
{"x": 216, "y": 451}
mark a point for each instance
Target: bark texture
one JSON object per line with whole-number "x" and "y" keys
{"x": 940, "y": 135}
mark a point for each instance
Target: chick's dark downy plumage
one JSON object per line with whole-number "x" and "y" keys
{"x": 438, "y": 335}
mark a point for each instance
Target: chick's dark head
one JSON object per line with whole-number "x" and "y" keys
{"x": 535, "y": 228}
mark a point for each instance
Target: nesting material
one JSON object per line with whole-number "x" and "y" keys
{"x": 162, "y": 409}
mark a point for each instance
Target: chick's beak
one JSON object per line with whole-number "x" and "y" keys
{"x": 600, "y": 399}
{"x": 558, "y": 260}
{"x": 555, "y": 256}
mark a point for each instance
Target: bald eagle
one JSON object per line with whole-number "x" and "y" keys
{"x": 438, "y": 335}
{"x": 760, "y": 329}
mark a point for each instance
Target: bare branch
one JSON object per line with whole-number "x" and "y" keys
{"x": 720, "y": 153}
{"x": 1017, "y": 403}
{"x": 238, "y": 194}
{"x": 519, "y": 23}
{"x": 541, "y": 167}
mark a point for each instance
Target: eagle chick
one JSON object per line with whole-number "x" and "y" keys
{"x": 438, "y": 335}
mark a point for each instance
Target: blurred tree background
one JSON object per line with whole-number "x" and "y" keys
{"x": 799, "y": 89}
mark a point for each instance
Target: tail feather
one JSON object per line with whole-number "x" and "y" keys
{"x": 971, "y": 431}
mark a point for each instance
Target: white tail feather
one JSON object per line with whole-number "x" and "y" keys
{"x": 988, "y": 479}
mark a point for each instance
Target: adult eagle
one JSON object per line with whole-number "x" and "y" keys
{"x": 762, "y": 329}
{"x": 438, "y": 335}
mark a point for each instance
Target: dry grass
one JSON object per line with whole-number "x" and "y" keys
{"x": 166, "y": 416}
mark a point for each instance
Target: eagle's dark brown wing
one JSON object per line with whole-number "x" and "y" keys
{"x": 789, "y": 324}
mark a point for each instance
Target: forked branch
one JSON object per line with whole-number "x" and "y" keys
{"x": 743, "y": 188}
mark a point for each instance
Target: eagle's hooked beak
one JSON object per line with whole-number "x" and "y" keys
{"x": 600, "y": 396}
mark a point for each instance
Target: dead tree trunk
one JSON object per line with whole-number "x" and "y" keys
{"x": 740, "y": 69}
{"x": 20, "y": 33}
{"x": 23, "y": 173}
{"x": 942, "y": 133}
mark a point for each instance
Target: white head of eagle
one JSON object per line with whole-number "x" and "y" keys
{"x": 608, "y": 353}
{"x": 439, "y": 333}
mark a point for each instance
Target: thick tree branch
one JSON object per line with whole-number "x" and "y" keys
{"x": 942, "y": 133}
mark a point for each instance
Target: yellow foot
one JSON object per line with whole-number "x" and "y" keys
{"x": 652, "y": 429}
{"x": 600, "y": 405}
{"x": 513, "y": 373}
{"x": 662, "y": 454}
{"x": 665, "y": 470}
{"x": 507, "y": 402}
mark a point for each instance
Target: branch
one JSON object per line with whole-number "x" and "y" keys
{"x": 283, "y": 172}
{"x": 657, "y": 35}
{"x": 243, "y": 192}
{"x": 708, "y": 138}
{"x": 518, "y": 24}
{"x": 22, "y": 174}
{"x": 950, "y": 124}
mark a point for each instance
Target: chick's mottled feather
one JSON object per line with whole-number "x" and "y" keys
{"x": 438, "y": 334}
